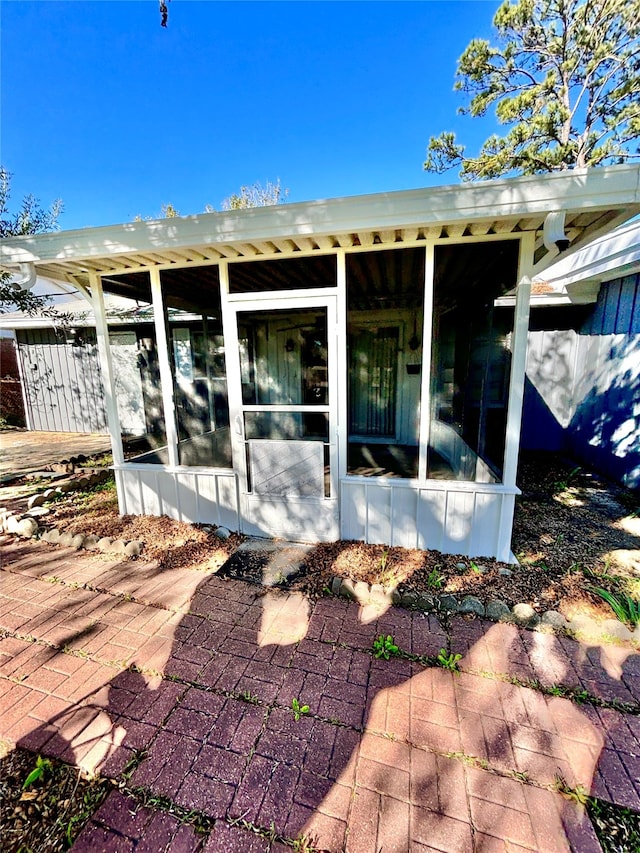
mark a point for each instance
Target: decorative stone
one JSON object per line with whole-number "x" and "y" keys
{"x": 471, "y": 604}
{"x": 222, "y": 533}
{"x": 38, "y": 512}
{"x": 78, "y": 541}
{"x": 583, "y": 624}
{"x": 347, "y": 589}
{"x": 118, "y": 545}
{"x": 63, "y": 488}
{"x": 553, "y": 619}
{"x": 336, "y": 583}
{"x": 91, "y": 542}
{"x": 615, "y": 628}
{"x": 448, "y": 602}
{"x": 505, "y": 573}
{"x": 104, "y": 544}
{"x": 133, "y": 548}
{"x": 525, "y": 615}
{"x": 425, "y": 602}
{"x": 54, "y": 536}
{"x": 361, "y": 591}
{"x": 36, "y": 500}
{"x": 82, "y": 482}
{"x": 409, "y": 598}
{"x": 11, "y": 523}
{"x": 498, "y": 611}
{"x": 26, "y": 528}
{"x": 482, "y": 570}
{"x": 461, "y": 566}
{"x": 379, "y": 595}
{"x": 65, "y": 539}
{"x": 49, "y": 493}
{"x": 396, "y": 596}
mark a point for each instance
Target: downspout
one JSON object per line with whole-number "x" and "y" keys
{"x": 29, "y": 276}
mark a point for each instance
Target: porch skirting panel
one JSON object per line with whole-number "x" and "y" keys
{"x": 471, "y": 520}
{"x": 196, "y": 497}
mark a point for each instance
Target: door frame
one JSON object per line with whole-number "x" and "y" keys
{"x": 319, "y": 516}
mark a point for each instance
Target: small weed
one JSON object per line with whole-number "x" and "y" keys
{"x": 304, "y": 844}
{"x": 626, "y": 608}
{"x": 326, "y": 590}
{"x": 384, "y": 559}
{"x": 384, "y": 647}
{"x": 474, "y": 567}
{"x": 248, "y": 696}
{"x": 298, "y": 709}
{"x": 435, "y": 579}
{"x": 521, "y": 775}
{"x": 563, "y": 485}
{"x": 577, "y": 794}
{"x": 449, "y": 660}
{"x": 43, "y": 766}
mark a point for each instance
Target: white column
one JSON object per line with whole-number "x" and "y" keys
{"x": 425, "y": 383}
{"x": 166, "y": 376}
{"x": 106, "y": 368}
{"x": 234, "y": 379}
{"x": 518, "y": 361}
{"x": 341, "y": 391}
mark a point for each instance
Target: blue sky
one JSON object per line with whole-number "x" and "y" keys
{"x": 103, "y": 108}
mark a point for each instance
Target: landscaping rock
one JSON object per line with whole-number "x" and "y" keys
{"x": 78, "y": 541}
{"x": 118, "y": 546}
{"x": 553, "y": 619}
{"x": 49, "y": 493}
{"x": 104, "y": 544}
{"x": 36, "y": 500}
{"x": 133, "y": 548}
{"x": 409, "y": 598}
{"x": 498, "y": 611}
{"x": 63, "y": 488}
{"x": 471, "y": 604}
{"x": 362, "y": 593}
{"x": 448, "y": 602}
{"x": 26, "y": 528}
{"x": 38, "y": 512}
{"x": 425, "y": 602}
{"x": 379, "y": 595}
{"x": 396, "y": 596}
{"x": 525, "y": 615}
{"x": 91, "y": 542}
{"x": 65, "y": 539}
{"x": 461, "y": 566}
{"x": 222, "y": 533}
{"x": 505, "y": 573}
{"x": 583, "y": 624}
{"x": 347, "y": 589}
{"x": 615, "y": 628}
{"x": 336, "y": 583}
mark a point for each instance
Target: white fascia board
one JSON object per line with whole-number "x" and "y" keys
{"x": 584, "y": 189}
{"x": 612, "y": 256}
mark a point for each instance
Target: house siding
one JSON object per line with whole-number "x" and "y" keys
{"x": 583, "y": 385}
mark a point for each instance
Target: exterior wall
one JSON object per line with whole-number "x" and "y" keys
{"x": 62, "y": 386}
{"x": 451, "y": 517}
{"x": 197, "y": 497}
{"x": 583, "y": 390}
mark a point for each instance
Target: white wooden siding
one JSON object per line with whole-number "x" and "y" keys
{"x": 197, "y": 497}
{"x": 454, "y": 518}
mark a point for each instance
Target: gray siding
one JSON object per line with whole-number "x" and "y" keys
{"x": 63, "y": 387}
{"x": 583, "y": 385}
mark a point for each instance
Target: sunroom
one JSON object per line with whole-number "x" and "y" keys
{"x": 334, "y": 369}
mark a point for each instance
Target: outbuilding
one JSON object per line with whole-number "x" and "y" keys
{"x": 334, "y": 369}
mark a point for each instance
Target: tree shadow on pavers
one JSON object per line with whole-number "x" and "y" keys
{"x": 391, "y": 754}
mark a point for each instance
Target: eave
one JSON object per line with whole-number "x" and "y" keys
{"x": 595, "y": 201}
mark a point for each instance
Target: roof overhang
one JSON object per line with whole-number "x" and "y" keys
{"x": 595, "y": 201}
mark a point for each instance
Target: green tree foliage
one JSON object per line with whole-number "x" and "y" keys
{"x": 564, "y": 80}
{"x": 256, "y": 196}
{"x": 30, "y": 218}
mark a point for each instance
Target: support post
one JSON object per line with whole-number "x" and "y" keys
{"x": 166, "y": 376}
{"x": 106, "y": 368}
{"x": 343, "y": 366}
{"x": 425, "y": 383}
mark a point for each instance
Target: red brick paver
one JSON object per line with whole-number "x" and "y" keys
{"x": 392, "y": 756}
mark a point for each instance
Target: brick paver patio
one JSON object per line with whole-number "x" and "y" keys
{"x": 189, "y": 679}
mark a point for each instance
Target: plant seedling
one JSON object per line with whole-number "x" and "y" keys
{"x": 298, "y": 709}
{"x": 384, "y": 647}
{"x": 43, "y": 765}
{"x": 449, "y": 660}
{"x": 435, "y": 579}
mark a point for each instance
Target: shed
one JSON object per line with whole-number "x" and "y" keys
{"x": 335, "y": 369}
